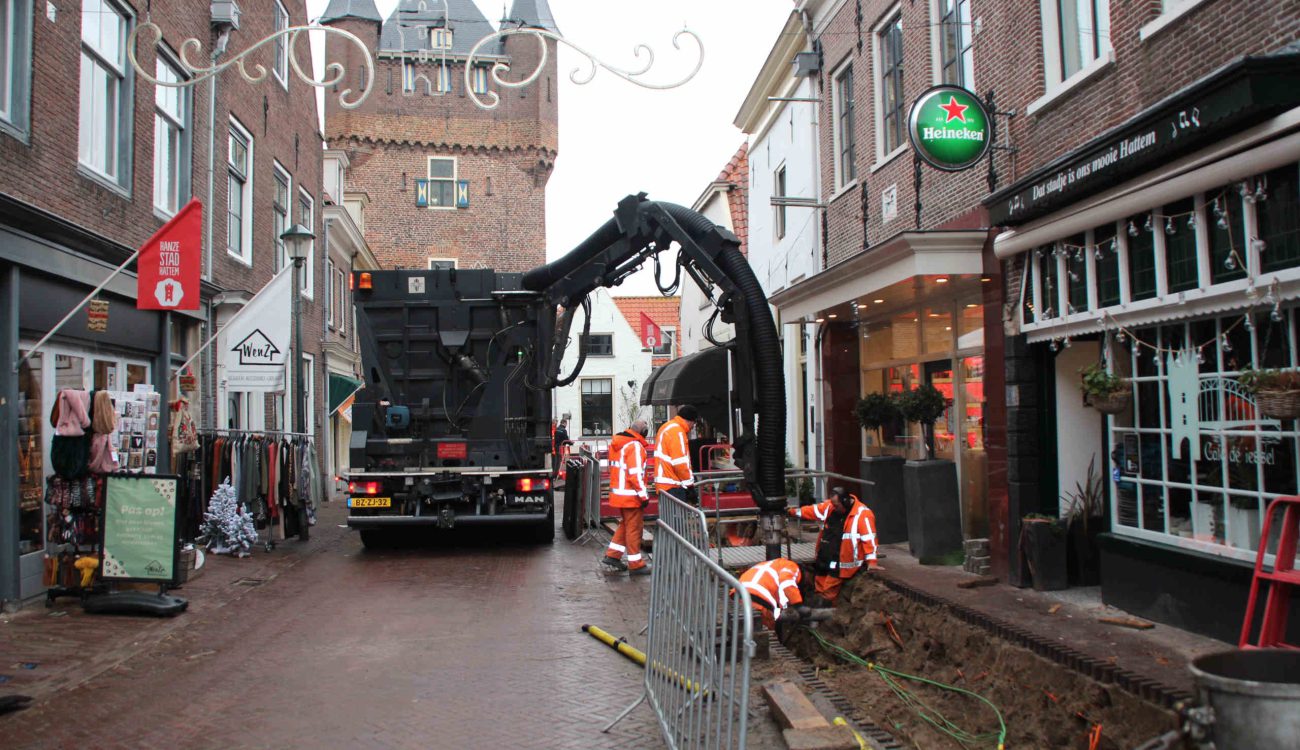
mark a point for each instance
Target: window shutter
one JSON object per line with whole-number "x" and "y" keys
{"x": 422, "y": 193}
{"x": 462, "y": 193}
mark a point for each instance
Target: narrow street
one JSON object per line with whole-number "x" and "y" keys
{"x": 469, "y": 642}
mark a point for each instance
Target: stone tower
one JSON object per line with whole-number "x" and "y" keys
{"x": 447, "y": 180}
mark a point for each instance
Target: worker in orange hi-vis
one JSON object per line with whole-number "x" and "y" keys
{"x": 773, "y": 588}
{"x": 673, "y": 456}
{"x": 846, "y": 544}
{"x": 627, "y": 492}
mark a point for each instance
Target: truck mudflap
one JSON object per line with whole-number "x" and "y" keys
{"x": 445, "y": 520}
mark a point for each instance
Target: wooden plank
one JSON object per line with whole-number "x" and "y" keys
{"x": 791, "y": 707}
{"x": 1127, "y": 622}
{"x": 822, "y": 738}
{"x": 971, "y": 583}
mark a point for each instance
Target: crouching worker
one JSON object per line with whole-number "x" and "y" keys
{"x": 627, "y": 492}
{"x": 773, "y": 588}
{"x": 846, "y": 543}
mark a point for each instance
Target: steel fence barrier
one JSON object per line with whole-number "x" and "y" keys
{"x": 589, "y": 486}
{"x": 700, "y": 639}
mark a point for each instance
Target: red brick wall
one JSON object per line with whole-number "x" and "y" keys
{"x": 513, "y": 148}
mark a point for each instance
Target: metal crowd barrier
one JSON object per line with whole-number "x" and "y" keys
{"x": 700, "y": 639}
{"x": 588, "y": 494}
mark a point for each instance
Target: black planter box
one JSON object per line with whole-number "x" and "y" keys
{"x": 886, "y": 497}
{"x": 1045, "y": 546}
{"x": 1084, "y": 555}
{"x": 933, "y": 508}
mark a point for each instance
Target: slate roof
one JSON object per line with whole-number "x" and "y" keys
{"x": 362, "y": 9}
{"x": 409, "y": 29}
{"x": 534, "y": 14}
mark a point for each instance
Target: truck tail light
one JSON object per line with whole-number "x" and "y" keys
{"x": 365, "y": 281}
{"x": 363, "y": 488}
{"x": 532, "y": 484}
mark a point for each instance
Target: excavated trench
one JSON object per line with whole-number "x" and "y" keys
{"x": 1044, "y": 704}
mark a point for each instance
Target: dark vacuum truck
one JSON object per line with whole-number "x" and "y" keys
{"x": 451, "y": 428}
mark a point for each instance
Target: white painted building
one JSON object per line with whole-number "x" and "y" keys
{"x": 605, "y": 397}
{"x": 785, "y": 243}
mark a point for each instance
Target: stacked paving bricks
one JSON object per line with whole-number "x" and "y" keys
{"x": 977, "y": 556}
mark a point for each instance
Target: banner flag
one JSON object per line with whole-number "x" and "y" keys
{"x": 254, "y": 344}
{"x": 170, "y": 263}
{"x": 651, "y": 335}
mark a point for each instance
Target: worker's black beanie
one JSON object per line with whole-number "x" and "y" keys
{"x": 689, "y": 413}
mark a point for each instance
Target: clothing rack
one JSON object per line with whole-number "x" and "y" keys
{"x": 218, "y": 431}
{"x": 302, "y": 439}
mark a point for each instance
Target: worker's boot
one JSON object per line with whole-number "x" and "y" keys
{"x": 644, "y": 570}
{"x": 613, "y": 564}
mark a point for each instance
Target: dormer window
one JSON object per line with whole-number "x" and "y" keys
{"x": 441, "y": 39}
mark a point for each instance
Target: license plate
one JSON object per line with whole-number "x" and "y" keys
{"x": 372, "y": 502}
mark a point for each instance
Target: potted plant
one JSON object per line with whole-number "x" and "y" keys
{"x": 930, "y": 485}
{"x": 924, "y": 404}
{"x": 1085, "y": 516}
{"x": 1277, "y": 392}
{"x": 1043, "y": 540}
{"x": 1104, "y": 391}
{"x": 877, "y": 411}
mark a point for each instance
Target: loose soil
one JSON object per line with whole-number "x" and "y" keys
{"x": 1043, "y": 703}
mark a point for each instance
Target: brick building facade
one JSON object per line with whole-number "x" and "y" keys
{"x": 486, "y": 169}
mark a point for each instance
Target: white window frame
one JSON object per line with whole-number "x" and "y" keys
{"x": 441, "y": 38}
{"x": 670, "y": 337}
{"x": 444, "y": 78}
{"x": 342, "y": 317}
{"x": 843, "y": 181}
{"x": 329, "y": 293}
{"x": 167, "y": 68}
{"x": 582, "y": 384}
{"x": 1055, "y": 83}
{"x": 478, "y": 80}
{"x": 455, "y": 171}
{"x": 245, "y": 253}
{"x": 308, "y": 282}
{"x": 309, "y": 389}
{"x": 779, "y": 183}
{"x": 115, "y": 169}
{"x": 408, "y": 76}
{"x": 281, "y": 67}
{"x": 280, "y": 174}
{"x": 431, "y": 261}
{"x": 877, "y": 85}
{"x": 16, "y": 67}
{"x": 1170, "y": 11}
{"x": 965, "y": 42}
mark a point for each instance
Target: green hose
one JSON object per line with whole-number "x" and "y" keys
{"x": 924, "y": 710}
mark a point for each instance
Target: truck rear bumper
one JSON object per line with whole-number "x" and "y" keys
{"x": 379, "y": 522}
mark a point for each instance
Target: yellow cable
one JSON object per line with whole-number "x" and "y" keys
{"x": 862, "y": 742}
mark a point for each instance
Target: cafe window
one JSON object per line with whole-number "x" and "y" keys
{"x": 1076, "y": 273}
{"x": 1106, "y": 264}
{"x": 1277, "y": 211}
{"x": 1227, "y": 228}
{"x": 1049, "y": 288}
{"x": 1141, "y": 257}
{"x": 1196, "y": 460}
{"x": 1178, "y": 227}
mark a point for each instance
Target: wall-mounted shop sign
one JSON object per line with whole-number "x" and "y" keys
{"x": 1222, "y": 104}
{"x": 949, "y": 128}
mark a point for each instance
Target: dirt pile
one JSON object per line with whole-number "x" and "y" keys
{"x": 1044, "y": 704}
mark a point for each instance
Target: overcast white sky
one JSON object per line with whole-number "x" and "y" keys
{"x": 617, "y": 138}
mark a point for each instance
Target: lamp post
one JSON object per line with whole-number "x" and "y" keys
{"x": 297, "y": 241}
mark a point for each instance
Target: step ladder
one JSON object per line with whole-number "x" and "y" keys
{"x": 1280, "y": 580}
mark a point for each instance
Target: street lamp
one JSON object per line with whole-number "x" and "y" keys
{"x": 297, "y": 241}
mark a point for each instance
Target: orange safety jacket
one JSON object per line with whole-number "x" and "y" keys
{"x": 857, "y": 538}
{"x": 673, "y": 456}
{"x": 773, "y": 585}
{"x": 627, "y": 452}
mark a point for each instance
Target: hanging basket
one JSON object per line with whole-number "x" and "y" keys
{"x": 1112, "y": 403}
{"x": 1278, "y": 404}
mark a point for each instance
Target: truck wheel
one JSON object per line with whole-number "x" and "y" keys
{"x": 572, "y": 509}
{"x": 374, "y": 539}
{"x": 544, "y": 532}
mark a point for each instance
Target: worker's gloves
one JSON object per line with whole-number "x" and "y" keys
{"x": 645, "y": 501}
{"x": 692, "y": 495}
{"x": 798, "y": 612}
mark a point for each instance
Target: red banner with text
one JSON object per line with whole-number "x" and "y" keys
{"x": 651, "y": 335}
{"x": 169, "y": 263}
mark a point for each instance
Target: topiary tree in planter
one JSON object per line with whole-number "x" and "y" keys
{"x": 876, "y": 410}
{"x": 924, "y": 404}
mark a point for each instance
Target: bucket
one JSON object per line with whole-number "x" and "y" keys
{"x": 1255, "y": 697}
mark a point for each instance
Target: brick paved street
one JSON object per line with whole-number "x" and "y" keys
{"x": 471, "y": 645}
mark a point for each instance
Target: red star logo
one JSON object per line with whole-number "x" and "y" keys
{"x": 955, "y": 111}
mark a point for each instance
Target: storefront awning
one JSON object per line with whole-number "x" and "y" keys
{"x": 1238, "y": 96}
{"x": 699, "y": 379}
{"x": 340, "y": 388}
{"x": 909, "y": 254}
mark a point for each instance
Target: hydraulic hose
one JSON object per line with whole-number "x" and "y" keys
{"x": 543, "y": 276}
{"x": 768, "y": 365}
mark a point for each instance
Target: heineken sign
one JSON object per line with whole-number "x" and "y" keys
{"x": 949, "y": 128}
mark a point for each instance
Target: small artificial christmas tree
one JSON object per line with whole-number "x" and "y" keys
{"x": 228, "y": 527}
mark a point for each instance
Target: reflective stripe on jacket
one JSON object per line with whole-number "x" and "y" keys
{"x": 673, "y": 456}
{"x": 773, "y": 584}
{"x": 627, "y": 452}
{"x": 857, "y": 537}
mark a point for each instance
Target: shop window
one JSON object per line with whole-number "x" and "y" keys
{"x": 31, "y": 414}
{"x": 936, "y": 329}
{"x": 1178, "y": 226}
{"x": 597, "y": 406}
{"x": 970, "y": 328}
{"x": 1106, "y": 265}
{"x": 1277, "y": 212}
{"x": 1076, "y": 273}
{"x": 1226, "y": 222}
{"x": 136, "y": 375}
{"x": 1141, "y": 258}
{"x": 1049, "y": 287}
